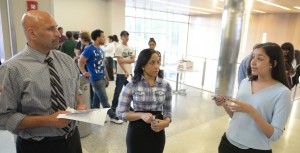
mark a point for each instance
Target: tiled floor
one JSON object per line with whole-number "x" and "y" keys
{"x": 196, "y": 128}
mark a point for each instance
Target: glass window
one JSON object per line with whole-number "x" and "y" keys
{"x": 159, "y": 15}
{"x": 140, "y": 42}
{"x": 148, "y": 14}
{"x": 148, "y": 25}
{"x": 130, "y": 24}
{"x": 129, "y": 11}
{"x": 169, "y": 31}
{"x": 159, "y": 26}
{"x": 140, "y": 13}
{"x": 170, "y": 16}
{"x": 139, "y": 25}
{"x": 181, "y": 18}
{"x": 210, "y": 81}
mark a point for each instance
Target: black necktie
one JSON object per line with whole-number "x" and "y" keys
{"x": 57, "y": 93}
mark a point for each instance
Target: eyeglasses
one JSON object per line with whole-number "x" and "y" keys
{"x": 285, "y": 50}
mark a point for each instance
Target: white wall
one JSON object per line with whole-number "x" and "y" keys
{"x": 6, "y": 41}
{"x": 116, "y": 17}
{"x": 208, "y": 30}
{"x": 73, "y": 15}
{"x": 88, "y": 15}
{"x": 77, "y": 15}
{"x": 18, "y": 9}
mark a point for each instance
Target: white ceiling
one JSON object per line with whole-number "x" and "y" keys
{"x": 193, "y": 7}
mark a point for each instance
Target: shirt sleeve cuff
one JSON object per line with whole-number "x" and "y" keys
{"x": 123, "y": 117}
{"x": 14, "y": 121}
{"x": 79, "y": 92}
{"x": 276, "y": 134}
{"x": 167, "y": 115}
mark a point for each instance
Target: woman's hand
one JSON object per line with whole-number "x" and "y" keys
{"x": 160, "y": 125}
{"x": 291, "y": 71}
{"x": 147, "y": 117}
{"x": 239, "y": 106}
{"x": 219, "y": 100}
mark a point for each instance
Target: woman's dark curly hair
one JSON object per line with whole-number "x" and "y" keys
{"x": 142, "y": 60}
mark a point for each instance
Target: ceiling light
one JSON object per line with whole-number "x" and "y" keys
{"x": 173, "y": 8}
{"x": 297, "y": 7}
{"x": 273, "y": 4}
{"x": 176, "y": 4}
{"x": 258, "y": 11}
{"x": 264, "y": 38}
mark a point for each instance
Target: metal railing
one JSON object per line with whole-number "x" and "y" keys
{"x": 204, "y": 76}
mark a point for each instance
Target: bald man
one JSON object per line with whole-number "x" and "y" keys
{"x": 25, "y": 102}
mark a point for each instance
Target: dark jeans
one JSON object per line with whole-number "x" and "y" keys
{"x": 100, "y": 96}
{"x": 120, "y": 82}
{"x": 52, "y": 145}
{"x": 226, "y": 147}
{"x": 110, "y": 67}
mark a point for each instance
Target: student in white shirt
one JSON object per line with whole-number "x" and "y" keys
{"x": 110, "y": 53}
{"x": 126, "y": 56}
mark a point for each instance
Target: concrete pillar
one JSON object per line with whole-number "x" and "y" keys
{"x": 232, "y": 21}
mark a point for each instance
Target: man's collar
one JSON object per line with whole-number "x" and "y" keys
{"x": 38, "y": 55}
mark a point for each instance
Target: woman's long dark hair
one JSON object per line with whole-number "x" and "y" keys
{"x": 115, "y": 38}
{"x": 142, "y": 60}
{"x": 274, "y": 52}
{"x": 290, "y": 56}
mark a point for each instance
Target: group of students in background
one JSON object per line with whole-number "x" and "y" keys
{"x": 48, "y": 82}
{"x": 30, "y": 104}
{"x": 291, "y": 62}
{"x": 95, "y": 60}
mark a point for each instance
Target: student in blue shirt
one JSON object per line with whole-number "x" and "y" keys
{"x": 262, "y": 105}
{"x": 242, "y": 71}
{"x": 94, "y": 58}
{"x": 151, "y": 97}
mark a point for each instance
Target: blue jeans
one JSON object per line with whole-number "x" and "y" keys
{"x": 120, "y": 82}
{"x": 100, "y": 96}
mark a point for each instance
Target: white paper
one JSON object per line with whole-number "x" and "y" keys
{"x": 74, "y": 111}
{"x": 129, "y": 78}
{"x": 94, "y": 116}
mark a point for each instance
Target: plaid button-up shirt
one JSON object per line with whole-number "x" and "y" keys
{"x": 146, "y": 98}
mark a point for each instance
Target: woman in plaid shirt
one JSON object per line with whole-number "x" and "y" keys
{"x": 151, "y": 98}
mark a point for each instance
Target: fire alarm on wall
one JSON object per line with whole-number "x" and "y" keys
{"x": 32, "y": 5}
